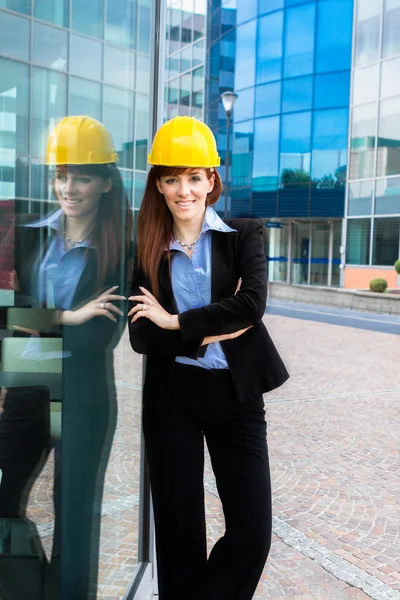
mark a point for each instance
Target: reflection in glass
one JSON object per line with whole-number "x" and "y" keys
{"x": 198, "y": 90}
{"x": 14, "y": 36}
{"x": 295, "y": 148}
{"x": 88, "y": 17}
{"x": 199, "y": 53}
{"x": 299, "y": 40}
{"x": 390, "y": 81}
{"x": 22, "y": 6}
{"x": 367, "y": 31}
{"x": 143, "y": 74}
{"x": 14, "y": 108}
{"x": 266, "y": 154}
{"x": 319, "y": 253}
{"x": 187, "y": 22}
{"x": 54, "y": 12}
{"x": 329, "y": 154}
{"x": 360, "y": 198}
{"x": 386, "y": 241}
{"x": 358, "y": 241}
{"x": 50, "y": 47}
{"x": 300, "y": 252}
{"x": 172, "y": 67}
{"x": 362, "y": 145}
{"x": 277, "y": 252}
{"x": 119, "y": 66}
{"x": 140, "y": 184}
{"x": 244, "y": 106}
{"x": 121, "y": 22}
{"x": 185, "y": 93}
{"x": 242, "y": 152}
{"x": 127, "y": 177}
{"x": 389, "y": 138}
{"x": 49, "y": 104}
{"x": 366, "y": 84}
{"x": 331, "y": 90}
{"x": 387, "y": 196}
{"x": 269, "y": 51}
{"x": 84, "y": 98}
{"x": 246, "y": 49}
{"x": 297, "y": 94}
{"x": 334, "y": 35}
{"x": 186, "y": 59}
{"x": 91, "y": 65}
{"x": 142, "y": 131}
{"x": 246, "y": 10}
{"x": 268, "y": 99}
{"x": 118, "y": 118}
{"x": 144, "y": 26}
{"x": 391, "y": 27}
{"x": 199, "y": 25}
{"x": 266, "y": 6}
{"x": 174, "y": 34}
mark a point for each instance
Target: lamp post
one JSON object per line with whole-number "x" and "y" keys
{"x": 228, "y": 102}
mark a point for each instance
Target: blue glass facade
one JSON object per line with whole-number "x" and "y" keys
{"x": 289, "y": 62}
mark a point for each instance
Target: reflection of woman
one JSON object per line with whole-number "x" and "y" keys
{"x": 199, "y": 294}
{"x": 73, "y": 261}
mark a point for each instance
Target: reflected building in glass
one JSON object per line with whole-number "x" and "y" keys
{"x": 289, "y": 62}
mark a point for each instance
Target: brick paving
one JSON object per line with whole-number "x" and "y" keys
{"x": 333, "y": 433}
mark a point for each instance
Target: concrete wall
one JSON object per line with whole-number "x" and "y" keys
{"x": 364, "y": 301}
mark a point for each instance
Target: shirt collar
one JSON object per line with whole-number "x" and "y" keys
{"x": 53, "y": 220}
{"x": 211, "y": 222}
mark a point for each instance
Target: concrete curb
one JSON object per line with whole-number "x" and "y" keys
{"x": 342, "y": 298}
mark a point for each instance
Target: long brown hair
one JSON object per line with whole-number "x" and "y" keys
{"x": 155, "y": 220}
{"x": 112, "y": 231}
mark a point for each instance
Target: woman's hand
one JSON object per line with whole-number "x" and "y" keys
{"x": 222, "y": 338}
{"x": 150, "y": 308}
{"x": 100, "y": 307}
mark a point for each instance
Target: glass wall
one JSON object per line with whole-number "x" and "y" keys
{"x": 70, "y": 437}
{"x": 374, "y": 175}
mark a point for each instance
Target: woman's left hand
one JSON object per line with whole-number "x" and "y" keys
{"x": 150, "y": 308}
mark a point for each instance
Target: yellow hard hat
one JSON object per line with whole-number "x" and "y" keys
{"x": 80, "y": 140}
{"x": 184, "y": 142}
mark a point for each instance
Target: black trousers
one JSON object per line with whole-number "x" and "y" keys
{"x": 203, "y": 404}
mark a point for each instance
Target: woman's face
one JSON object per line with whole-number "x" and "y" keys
{"x": 186, "y": 194}
{"x": 79, "y": 195}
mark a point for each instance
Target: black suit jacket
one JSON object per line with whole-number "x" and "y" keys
{"x": 254, "y": 362}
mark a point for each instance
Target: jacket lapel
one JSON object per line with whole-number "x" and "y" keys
{"x": 222, "y": 260}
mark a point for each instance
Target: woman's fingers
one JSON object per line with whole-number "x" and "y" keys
{"x": 148, "y": 294}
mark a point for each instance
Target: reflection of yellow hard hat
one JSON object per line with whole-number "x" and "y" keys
{"x": 80, "y": 140}
{"x": 184, "y": 142}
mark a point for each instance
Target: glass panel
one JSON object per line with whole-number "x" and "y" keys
{"x": 84, "y": 98}
{"x": 242, "y": 153}
{"x": 386, "y": 241}
{"x": 366, "y": 84}
{"x": 319, "y": 253}
{"x": 185, "y": 93}
{"x": 173, "y": 67}
{"x": 334, "y": 35}
{"x": 390, "y": 81}
{"x": 187, "y": 22}
{"x": 300, "y": 252}
{"x": 14, "y": 128}
{"x": 246, "y": 49}
{"x": 142, "y": 131}
{"x": 266, "y": 6}
{"x": 14, "y": 36}
{"x": 391, "y": 26}
{"x": 332, "y": 90}
{"x": 363, "y": 138}
{"x": 367, "y": 31}
{"x": 246, "y": 10}
{"x": 199, "y": 24}
{"x": 269, "y": 49}
{"x": 122, "y": 22}
{"x": 299, "y": 41}
{"x": 198, "y": 89}
{"x": 277, "y": 253}
{"x": 127, "y": 177}
{"x": 266, "y": 154}
{"x": 140, "y": 184}
{"x": 119, "y": 66}
{"x": 49, "y": 104}
{"x": 186, "y": 59}
{"x": 360, "y": 198}
{"x": 387, "y": 196}
{"x": 358, "y": 241}
{"x": 244, "y": 106}
{"x": 199, "y": 53}
{"x": 297, "y": 94}
{"x": 329, "y": 154}
{"x": 54, "y": 12}
{"x": 336, "y": 257}
{"x": 143, "y": 74}
{"x": 50, "y": 47}
{"x": 175, "y": 29}
{"x": 118, "y": 118}
{"x": 144, "y": 26}
{"x": 92, "y": 51}
{"x": 22, "y": 6}
{"x": 268, "y": 99}
{"x": 295, "y": 147}
{"x": 88, "y": 17}
{"x": 389, "y": 138}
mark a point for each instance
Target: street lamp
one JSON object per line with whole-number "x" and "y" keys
{"x": 228, "y": 102}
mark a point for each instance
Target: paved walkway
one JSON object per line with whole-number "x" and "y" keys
{"x": 333, "y": 432}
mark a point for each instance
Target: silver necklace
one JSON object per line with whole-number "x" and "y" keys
{"x": 185, "y": 245}
{"x": 73, "y": 243}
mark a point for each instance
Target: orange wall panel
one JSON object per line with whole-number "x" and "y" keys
{"x": 358, "y": 278}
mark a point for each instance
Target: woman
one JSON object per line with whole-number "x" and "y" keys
{"x": 72, "y": 263}
{"x": 199, "y": 295}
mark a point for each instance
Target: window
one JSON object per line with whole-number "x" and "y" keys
{"x": 244, "y": 107}
{"x": 269, "y": 50}
{"x": 50, "y": 47}
{"x": 91, "y": 67}
{"x": 246, "y": 10}
{"x": 119, "y": 66}
{"x": 22, "y": 6}
{"x": 386, "y": 241}
{"x": 242, "y": 152}
{"x": 297, "y": 94}
{"x": 49, "y": 105}
{"x": 360, "y": 198}
{"x": 268, "y": 99}
{"x": 121, "y": 22}
{"x": 363, "y": 138}
{"x": 14, "y": 36}
{"x": 331, "y": 90}
{"x": 366, "y": 84}
{"x": 84, "y": 97}
{"x": 141, "y": 130}
{"x": 266, "y": 6}
{"x": 391, "y": 26}
{"x": 54, "y": 12}
{"x": 387, "y": 196}
{"x": 389, "y": 138}
{"x": 390, "y": 81}
{"x": 118, "y": 118}
{"x": 358, "y": 241}
{"x": 334, "y": 35}
{"x": 144, "y": 26}
{"x": 143, "y": 73}
{"x": 367, "y": 31}
{"x": 88, "y": 17}
{"x": 246, "y": 49}
{"x": 295, "y": 146}
{"x": 299, "y": 40}
{"x": 329, "y": 147}
{"x": 266, "y": 153}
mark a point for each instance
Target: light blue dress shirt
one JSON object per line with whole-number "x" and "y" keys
{"x": 60, "y": 269}
{"x": 191, "y": 284}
